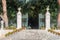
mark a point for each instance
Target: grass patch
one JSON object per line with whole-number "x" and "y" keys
{"x": 42, "y": 28}
{"x": 14, "y": 31}
{"x": 54, "y": 32}
{"x": 10, "y": 27}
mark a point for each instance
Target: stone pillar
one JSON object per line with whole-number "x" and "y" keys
{"x": 19, "y": 19}
{"x": 2, "y": 24}
{"x": 47, "y": 19}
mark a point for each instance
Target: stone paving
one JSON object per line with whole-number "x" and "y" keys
{"x": 32, "y": 35}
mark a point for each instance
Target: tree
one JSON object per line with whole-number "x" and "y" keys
{"x": 5, "y": 18}
{"x": 59, "y": 14}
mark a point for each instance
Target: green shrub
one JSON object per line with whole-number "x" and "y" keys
{"x": 10, "y": 27}
{"x": 15, "y": 30}
{"x": 54, "y": 32}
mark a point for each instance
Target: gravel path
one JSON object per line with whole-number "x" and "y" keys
{"x": 32, "y": 35}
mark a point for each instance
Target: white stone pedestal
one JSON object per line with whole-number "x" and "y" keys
{"x": 47, "y": 19}
{"x": 19, "y": 19}
{"x": 2, "y": 24}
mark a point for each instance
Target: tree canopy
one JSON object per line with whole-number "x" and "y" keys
{"x": 37, "y": 6}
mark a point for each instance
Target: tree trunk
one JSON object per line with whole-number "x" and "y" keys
{"x": 58, "y": 21}
{"x": 5, "y": 13}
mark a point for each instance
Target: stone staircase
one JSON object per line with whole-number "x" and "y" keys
{"x": 32, "y": 34}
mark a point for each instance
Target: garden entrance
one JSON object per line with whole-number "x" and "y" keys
{"x": 33, "y": 21}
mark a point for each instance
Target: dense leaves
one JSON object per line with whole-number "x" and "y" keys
{"x": 32, "y": 7}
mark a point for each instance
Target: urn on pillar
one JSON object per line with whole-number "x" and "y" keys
{"x": 47, "y": 19}
{"x": 19, "y": 19}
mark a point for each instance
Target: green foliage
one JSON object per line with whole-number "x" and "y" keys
{"x": 40, "y": 6}
{"x": 0, "y": 7}
{"x": 54, "y": 32}
{"x": 11, "y": 27}
{"x": 14, "y": 31}
{"x": 33, "y": 7}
